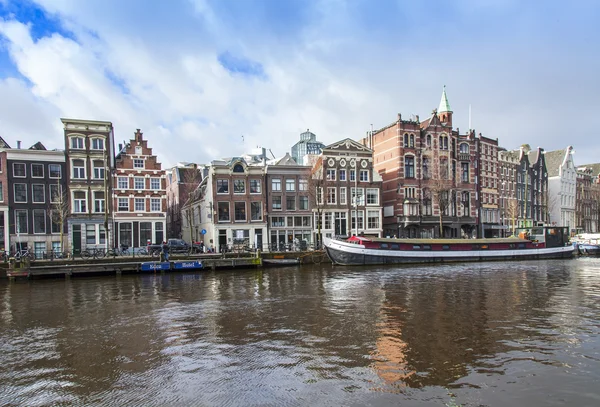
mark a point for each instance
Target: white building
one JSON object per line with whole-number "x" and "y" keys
{"x": 562, "y": 177}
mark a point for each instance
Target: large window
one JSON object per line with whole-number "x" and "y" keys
{"x": 240, "y": 211}
{"x": 78, "y": 169}
{"x": 343, "y": 195}
{"x": 443, "y": 142}
{"x": 276, "y": 184}
{"x": 19, "y": 170}
{"x": 342, "y": 175}
{"x": 290, "y": 203}
{"x": 372, "y": 196}
{"x": 154, "y": 183}
{"x": 277, "y": 203}
{"x": 255, "y": 186}
{"x": 303, "y": 203}
{"x": 37, "y": 193}
{"x": 290, "y": 185}
{"x": 155, "y": 205}
{"x": 328, "y": 220}
{"x": 20, "y": 193}
{"x": 21, "y": 221}
{"x": 123, "y": 182}
{"x": 138, "y": 163}
{"x": 140, "y": 204}
{"x": 426, "y": 168}
{"x": 352, "y": 175}
{"x": 54, "y": 222}
{"x": 409, "y": 166}
{"x": 464, "y": 172}
{"x": 37, "y": 170}
{"x": 256, "y": 210}
{"x": 79, "y": 202}
{"x": 239, "y": 186}
{"x": 98, "y": 169}
{"x": 464, "y": 148}
{"x": 99, "y": 202}
{"x": 303, "y": 185}
{"x": 364, "y": 175}
{"x": 77, "y": 143}
{"x": 330, "y": 175}
{"x": 357, "y": 196}
{"x": 331, "y": 195}
{"x": 39, "y": 221}
{"x": 223, "y": 211}
{"x": 138, "y": 183}
{"x": 54, "y": 170}
{"x": 358, "y": 219}
{"x": 123, "y": 205}
{"x": 97, "y": 144}
{"x": 90, "y": 234}
{"x": 277, "y": 221}
{"x": 222, "y": 186}
{"x": 373, "y": 219}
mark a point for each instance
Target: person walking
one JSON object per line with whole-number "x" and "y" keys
{"x": 165, "y": 251}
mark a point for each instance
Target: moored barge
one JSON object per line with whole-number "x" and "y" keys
{"x": 536, "y": 243}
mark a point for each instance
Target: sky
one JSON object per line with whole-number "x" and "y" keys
{"x": 206, "y": 79}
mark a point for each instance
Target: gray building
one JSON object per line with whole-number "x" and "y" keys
{"x": 308, "y": 145}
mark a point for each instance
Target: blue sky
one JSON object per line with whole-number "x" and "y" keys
{"x": 196, "y": 75}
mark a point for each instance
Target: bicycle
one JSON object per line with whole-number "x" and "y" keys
{"x": 118, "y": 251}
{"x": 56, "y": 254}
{"x": 94, "y": 253}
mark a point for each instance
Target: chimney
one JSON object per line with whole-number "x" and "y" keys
{"x": 399, "y": 117}
{"x": 120, "y": 147}
{"x": 18, "y": 144}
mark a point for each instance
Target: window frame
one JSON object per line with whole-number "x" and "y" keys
{"x": 43, "y": 189}
{"x": 24, "y": 186}
{"x": 37, "y": 165}
{"x": 24, "y": 170}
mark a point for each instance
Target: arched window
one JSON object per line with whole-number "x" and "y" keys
{"x": 428, "y": 142}
{"x": 443, "y": 142}
{"x": 238, "y": 168}
{"x": 412, "y": 141}
{"x": 405, "y": 140}
{"x": 427, "y": 207}
{"x": 464, "y": 148}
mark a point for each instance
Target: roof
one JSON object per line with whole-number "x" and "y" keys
{"x": 287, "y": 159}
{"x": 444, "y": 105}
{"x": 3, "y": 144}
{"x": 595, "y": 168}
{"x": 554, "y": 160}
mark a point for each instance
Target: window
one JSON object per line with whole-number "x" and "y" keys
{"x": 277, "y": 203}
{"x": 303, "y": 185}
{"x": 139, "y": 204}
{"x": 240, "y": 211}
{"x": 426, "y": 168}
{"x": 331, "y": 195}
{"x": 99, "y": 206}
{"x": 319, "y": 195}
{"x": 290, "y": 203}
{"x": 290, "y": 185}
{"x": 278, "y": 221}
{"x": 276, "y": 184}
{"x": 98, "y": 169}
{"x": 123, "y": 182}
{"x": 464, "y": 148}
{"x": 155, "y": 205}
{"x": 78, "y": 169}
{"x": 328, "y": 219}
{"x": 97, "y": 144}
{"x": 358, "y": 219}
{"x": 20, "y": 193}
{"x": 364, "y": 176}
{"x": 330, "y": 175}
{"x": 21, "y": 221}
{"x": 223, "y": 211}
{"x": 79, "y": 202}
{"x": 37, "y": 170}
{"x": 238, "y": 168}
{"x": 54, "y": 170}
{"x": 19, "y": 170}
{"x": 428, "y": 140}
{"x": 138, "y": 163}
{"x": 77, "y": 142}
{"x": 342, "y": 175}
{"x": 357, "y": 196}
{"x": 54, "y": 222}
{"x": 138, "y": 183}
{"x": 466, "y": 204}
{"x": 155, "y": 183}
{"x": 39, "y": 221}
{"x": 409, "y": 166}
{"x": 343, "y": 193}
{"x": 256, "y": 210}
{"x": 372, "y": 196}
{"x": 90, "y": 234}
{"x": 255, "y": 186}
{"x": 373, "y": 219}
{"x": 464, "y": 177}
{"x": 239, "y": 186}
{"x": 222, "y": 186}
{"x": 38, "y": 193}
{"x": 123, "y": 205}
{"x": 303, "y": 203}
{"x": 352, "y": 175}
{"x": 1, "y": 192}
{"x": 443, "y": 142}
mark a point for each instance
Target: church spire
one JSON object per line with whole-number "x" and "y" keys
{"x": 444, "y": 105}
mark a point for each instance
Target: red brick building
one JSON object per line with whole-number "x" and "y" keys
{"x": 139, "y": 197}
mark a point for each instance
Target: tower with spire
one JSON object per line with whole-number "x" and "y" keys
{"x": 444, "y": 112}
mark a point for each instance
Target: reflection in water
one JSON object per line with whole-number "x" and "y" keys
{"x": 486, "y": 333}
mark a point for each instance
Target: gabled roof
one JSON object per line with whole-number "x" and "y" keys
{"x": 595, "y": 168}
{"x": 287, "y": 159}
{"x": 554, "y": 160}
{"x": 347, "y": 144}
{"x": 38, "y": 146}
{"x": 3, "y": 144}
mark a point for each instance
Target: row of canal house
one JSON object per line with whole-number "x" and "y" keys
{"x": 279, "y": 204}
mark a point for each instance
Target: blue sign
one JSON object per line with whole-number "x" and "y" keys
{"x": 153, "y": 266}
{"x": 203, "y": 231}
{"x": 188, "y": 265}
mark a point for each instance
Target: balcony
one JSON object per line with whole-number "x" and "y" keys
{"x": 464, "y": 157}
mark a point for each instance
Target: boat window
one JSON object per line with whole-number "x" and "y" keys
{"x": 416, "y": 247}
{"x": 426, "y": 247}
{"x": 395, "y": 246}
{"x": 475, "y": 247}
{"x": 384, "y": 246}
{"x": 521, "y": 245}
{"x": 446, "y": 247}
{"x": 511, "y": 246}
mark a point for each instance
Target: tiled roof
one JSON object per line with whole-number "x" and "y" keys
{"x": 594, "y": 167}
{"x": 554, "y": 160}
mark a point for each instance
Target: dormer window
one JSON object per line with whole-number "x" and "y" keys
{"x": 77, "y": 143}
{"x": 238, "y": 168}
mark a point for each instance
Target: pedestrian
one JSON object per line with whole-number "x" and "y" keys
{"x": 165, "y": 250}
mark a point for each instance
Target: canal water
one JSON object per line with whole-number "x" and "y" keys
{"x": 495, "y": 334}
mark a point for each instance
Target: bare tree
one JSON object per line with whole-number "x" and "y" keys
{"x": 440, "y": 186}
{"x": 59, "y": 210}
{"x": 189, "y": 183}
{"x": 316, "y": 191}
{"x": 512, "y": 212}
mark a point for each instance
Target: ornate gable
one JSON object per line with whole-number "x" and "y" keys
{"x": 347, "y": 145}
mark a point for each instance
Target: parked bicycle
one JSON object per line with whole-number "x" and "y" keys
{"x": 93, "y": 253}
{"x": 23, "y": 254}
{"x": 122, "y": 250}
{"x": 56, "y": 254}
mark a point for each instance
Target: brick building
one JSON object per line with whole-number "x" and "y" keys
{"x": 89, "y": 155}
{"x": 139, "y": 198}
{"x": 487, "y": 186}
{"x": 586, "y": 206}
{"x": 4, "y": 220}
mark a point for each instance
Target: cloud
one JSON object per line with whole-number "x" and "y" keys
{"x": 197, "y": 75}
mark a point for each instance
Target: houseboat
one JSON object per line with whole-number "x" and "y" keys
{"x": 533, "y": 244}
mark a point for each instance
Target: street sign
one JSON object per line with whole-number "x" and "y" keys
{"x": 203, "y": 231}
